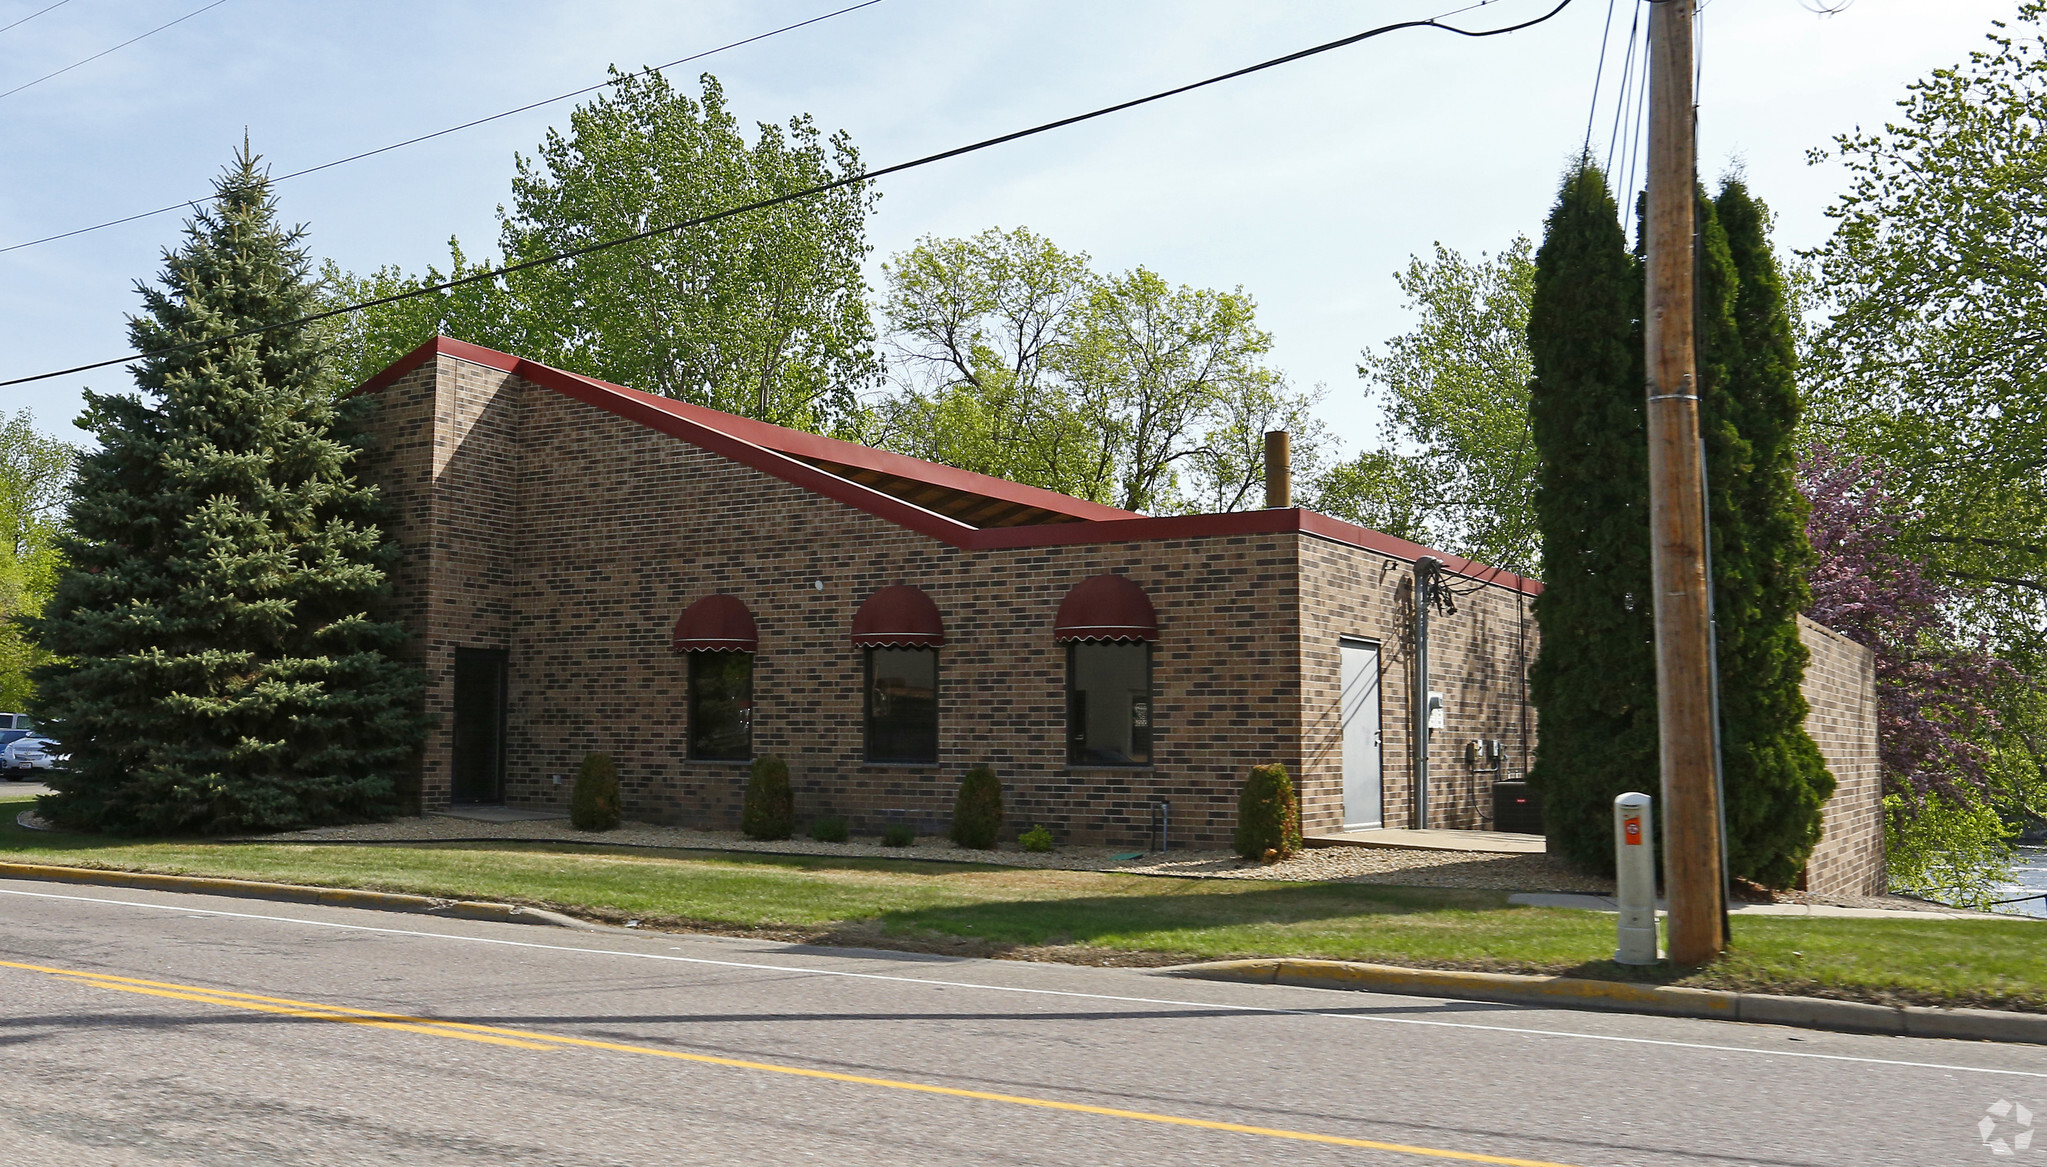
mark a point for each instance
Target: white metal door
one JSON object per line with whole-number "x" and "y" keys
{"x": 1362, "y": 779}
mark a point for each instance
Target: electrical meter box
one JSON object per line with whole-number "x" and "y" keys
{"x": 1437, "y": 718}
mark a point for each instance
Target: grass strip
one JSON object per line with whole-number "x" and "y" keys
{"x": 1099, "y": 917}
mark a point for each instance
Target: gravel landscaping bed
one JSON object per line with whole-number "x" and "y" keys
{"x": 1461, "y": 869}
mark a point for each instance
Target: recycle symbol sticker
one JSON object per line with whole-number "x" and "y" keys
{"x": 1988, "y": 1128}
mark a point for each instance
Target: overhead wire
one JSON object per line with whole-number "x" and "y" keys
{"x": 103, "y": 52}
{"x": 1620, "y": 104}
{"x": 413, "y": 141}
{"x": 1598, "y": 75}
{"x": 1434, "y": 22}
{"x": 33, "y": 15}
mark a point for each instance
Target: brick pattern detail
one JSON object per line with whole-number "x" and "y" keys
{"x": 1478, "y": 661}
{"x": 1840, "y": 687}
{"x": 573, "y": 538}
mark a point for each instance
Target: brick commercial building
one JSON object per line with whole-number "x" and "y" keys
{"x": 589, "y": 568}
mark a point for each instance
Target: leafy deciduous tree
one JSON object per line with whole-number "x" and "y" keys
{"x": 1015, "y": 359}
{"x": 35, "y": 477}
{"x": 1931, "y": 360}
{"x": 762, "y": 314}
{"x": 1458, "y": 465}
{"x": 1940, "y": 736}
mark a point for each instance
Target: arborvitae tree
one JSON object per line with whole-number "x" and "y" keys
{"x": 1594, "y": 680}
{"x": 221, "y": 665}
{"x": 1776, "y": 780}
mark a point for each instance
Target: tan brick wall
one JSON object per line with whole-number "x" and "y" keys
{"x": 1478, "y": 660}
{"x": 574, "y": 538}
{"x": 1840, "y": 687}
{"x": 450, "y": 430}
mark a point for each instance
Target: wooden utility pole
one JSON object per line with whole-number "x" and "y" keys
{"x": 1677, "y": 476}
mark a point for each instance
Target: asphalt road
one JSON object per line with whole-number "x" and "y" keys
{"x": 147, "y": 1028}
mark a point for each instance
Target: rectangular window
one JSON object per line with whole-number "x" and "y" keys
{"x": 1108, "y": 704}
{"x": 902, "y": 705}
{"x": 721, "y": 706}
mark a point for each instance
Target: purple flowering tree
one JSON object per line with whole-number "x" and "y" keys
{"x": 1933, "y": 692}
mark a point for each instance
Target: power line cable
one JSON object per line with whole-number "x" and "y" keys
{"x": 36, "y": 13}
{"x": 1434, "y": 22}
{"x": 453, "y": 129}
{"x": 1598, "y": 74}
{"x": 1620, "y": 103}
{"x": 1638, "y": 128}
{"x": 103, "y": 52}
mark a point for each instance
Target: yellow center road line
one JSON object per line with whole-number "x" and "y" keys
{"x": 207, "y": 998}
{"x": 526, "y": 1039}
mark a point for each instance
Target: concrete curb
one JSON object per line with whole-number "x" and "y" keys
{"x": 339, "y": 897}
{"x": 1616, "y": 996}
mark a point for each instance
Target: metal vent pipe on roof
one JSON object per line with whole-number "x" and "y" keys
{"x": 1279, "y": 469}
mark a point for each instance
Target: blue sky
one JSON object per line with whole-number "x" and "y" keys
{"x": 1307, "y": 186}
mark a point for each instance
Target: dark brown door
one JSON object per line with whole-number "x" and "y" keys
{"x": 479, "y": 774}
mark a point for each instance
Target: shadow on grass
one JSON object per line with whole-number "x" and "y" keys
{"x": 60, "y": 845}
{"x": 1214, "y": 919}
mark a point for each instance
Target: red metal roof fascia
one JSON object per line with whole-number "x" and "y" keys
{"x": 656, "y": 414}
{"x": 1336, "y": 530}
{"x": 1259, "y": 522}
{"x": 805, "y": 445}
{"x": 673, "y": 418}
{"x": 792, "y": 445}
{"x": 407, "y": 363}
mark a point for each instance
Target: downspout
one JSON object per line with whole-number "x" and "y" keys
{"x": 1424, "y": 583}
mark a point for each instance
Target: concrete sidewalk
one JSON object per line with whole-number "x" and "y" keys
{"x": 1592, "y": 903}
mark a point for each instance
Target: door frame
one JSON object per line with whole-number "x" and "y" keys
{"x": 1379, "y": 692}
{"x": 502, "y": 659}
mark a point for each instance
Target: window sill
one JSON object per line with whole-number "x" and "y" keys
{"x": 718, "y": 761}
{"x": 1110, "y": 766}
{"x": 901, "y": 765}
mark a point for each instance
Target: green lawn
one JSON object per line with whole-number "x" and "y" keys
{"x": 1102, "y": 917}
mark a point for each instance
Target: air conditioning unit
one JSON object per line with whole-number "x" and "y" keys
{"x": 1516, "y": 808}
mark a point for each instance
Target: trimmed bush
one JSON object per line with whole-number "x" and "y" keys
{"x": 593, "y": 805}
{"x": 898, "y": 835}
{"x": 829, "y": 829}
{"x": 1268, "y": 815}
{"x": 1035, "y": 839}
{"x": 977, "y": 812}
{"x": 770, "y": 811}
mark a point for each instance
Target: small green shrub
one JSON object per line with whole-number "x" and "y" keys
{"x": 898, "y": 835}
{"x": 770, "y": 810}
{"x": 1268, "y": 815}
{"x": 829, "y": 829}
{"x": 593, "y": 805}
{"x": 977, "y": 812}
{"x": 1035, "y": 839}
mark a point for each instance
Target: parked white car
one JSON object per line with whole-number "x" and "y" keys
{"x": 25, "y": 755}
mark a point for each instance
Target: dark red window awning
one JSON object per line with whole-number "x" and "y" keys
{"x": 1106, "y": 607}
{"x": 718, "y": 623}
{"x": 898, "y": 617}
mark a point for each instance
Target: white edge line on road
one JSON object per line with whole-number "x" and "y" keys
{"x": 1267, "y": 1009}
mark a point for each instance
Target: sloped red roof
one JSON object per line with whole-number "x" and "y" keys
{"x": 965, "y": 509}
